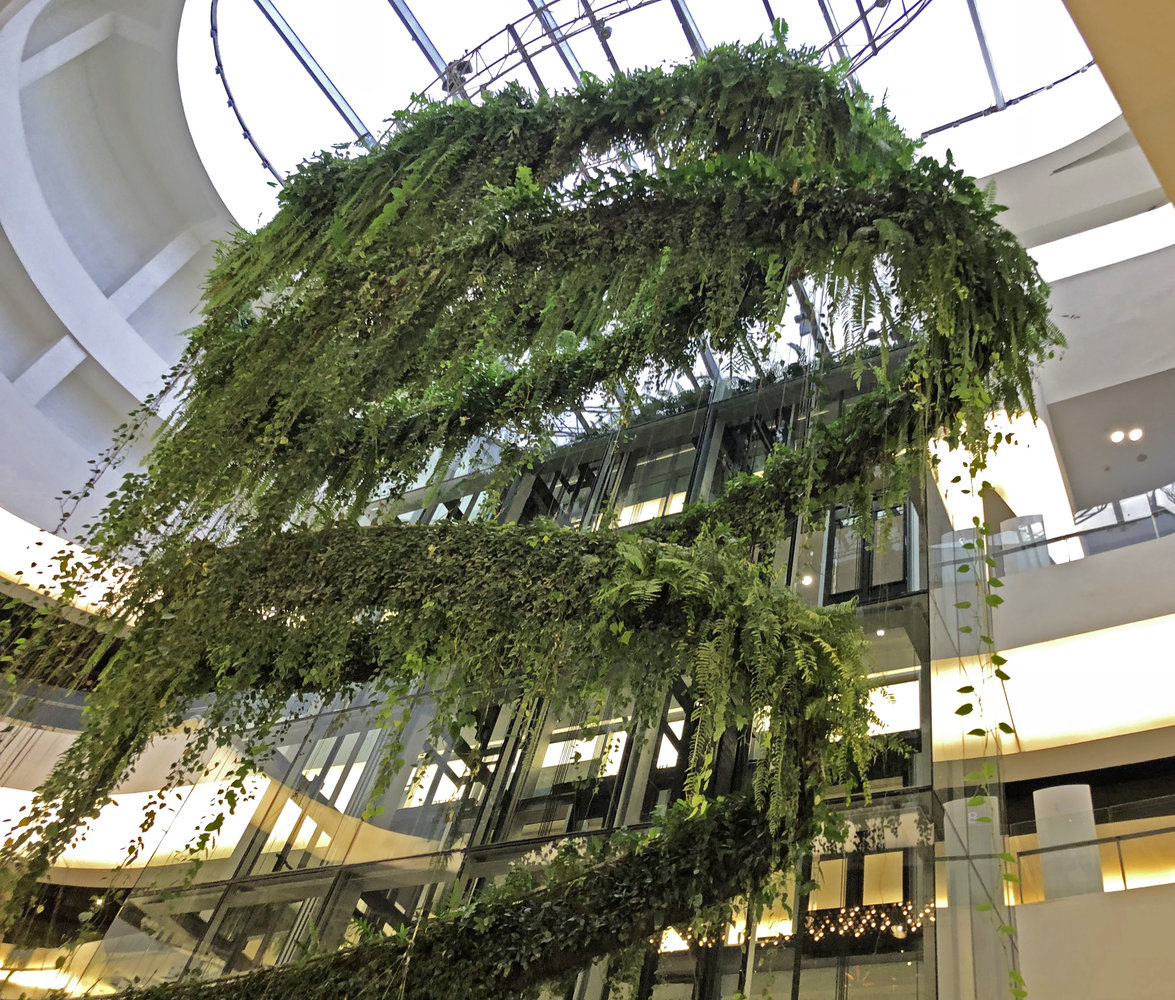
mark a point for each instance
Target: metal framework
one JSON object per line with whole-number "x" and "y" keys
{"x": 555, "y": 34}
{"x": 246, "y": 132}
{"x": 419, "y": 36}
{"x": 836, "y": 39}
{"x": 986, "y": 53}
{"x": 316, "y": 72}
{"x": 554, "y": 24}
{"x": 528, "y": 37}
{"x": 557, "y": 23}
{"x": 603, "y": 33}
{"x": 692, "y": 35}
{"x": 450, "y": 70}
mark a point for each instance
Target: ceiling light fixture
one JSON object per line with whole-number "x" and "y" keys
{"x": 1136, "y": 434}
{"x": 1118, "y": 437}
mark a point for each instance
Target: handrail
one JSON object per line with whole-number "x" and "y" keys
{"x": 1005, "y": 550}
{"x": 998, "y": 549}
{"x": 1097, "y": 842}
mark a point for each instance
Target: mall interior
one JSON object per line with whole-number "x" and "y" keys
{"x": 109, "y": 219}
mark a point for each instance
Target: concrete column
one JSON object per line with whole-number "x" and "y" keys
{"x": 1064, "y": 815}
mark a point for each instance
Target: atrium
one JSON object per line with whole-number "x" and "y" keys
{"x": 138, "y": 136}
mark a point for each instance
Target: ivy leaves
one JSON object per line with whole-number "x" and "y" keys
{"x": 495, "y": 264}
{"x": 488, "y": 267}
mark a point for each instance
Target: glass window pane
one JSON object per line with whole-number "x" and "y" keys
{"x": 830, "y": 873}
{"x": 654, "y": 483}
{"x": 889, "y": 549}
{"x": 883, "y": 878}
{"x": 846, "y": 559}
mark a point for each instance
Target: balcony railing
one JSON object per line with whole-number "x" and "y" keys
{"x": 1022, "y": 544}
{"x": 1127, "y": 861}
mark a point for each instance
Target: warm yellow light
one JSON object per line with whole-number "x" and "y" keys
{"x": 1062, "y": 695}
{"x": 1135, "y": 434}
{"x": 40, "y": 979}
{"x": 53, "y": 980}
{"x": 806, "y": 580}
{"x": 897, "y": 707}
{"x": 103, "y": 845}
{"x": 1027, "y": 474}
{"x": 647, "y": 510}
{"x": 1118, "y": 437}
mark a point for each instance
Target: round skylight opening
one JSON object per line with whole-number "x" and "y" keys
{"x": 371, "y": 65}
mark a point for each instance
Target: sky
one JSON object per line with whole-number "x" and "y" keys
{"x": 929, "y": 75}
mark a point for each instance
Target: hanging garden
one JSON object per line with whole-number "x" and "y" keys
{"x": 489, "y": 266}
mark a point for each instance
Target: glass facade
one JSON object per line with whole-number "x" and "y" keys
{"x": 331, "y": 851}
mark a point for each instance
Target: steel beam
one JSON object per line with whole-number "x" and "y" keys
{"x": 710, "y": 363}
{"x": 834, "y": 30}
{"x": 518, "y": 44}
{"x": 698, "y": 46}
{"x": 692, "y": 35}
{"x": 317, "y": 74}
{"x": 246, "y": 132}
{"x": 419, "y": 36}
{"x": 808, "y": 315}
{"x": 551, "y": 27}
{"x": 1000, "y": 103}
{"x": 868, "y": 27}
{"x": 451, "y": 72}
{"x": 603, "y": 32}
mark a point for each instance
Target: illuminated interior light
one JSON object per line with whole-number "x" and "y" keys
{"x": 1135, "y": 434}
{"x": 1118, "y": 437}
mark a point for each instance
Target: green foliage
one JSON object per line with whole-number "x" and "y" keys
{"x": 472, "y": 615}
{"x": 468, "y": 280}
{"x": 507, "y": 945}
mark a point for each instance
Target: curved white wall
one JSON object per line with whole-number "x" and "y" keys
{"x": 107, "y": 220}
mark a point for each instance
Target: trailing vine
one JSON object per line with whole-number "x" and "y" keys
{"x": 486, "y": 268}
{"x": 494, "y": 949}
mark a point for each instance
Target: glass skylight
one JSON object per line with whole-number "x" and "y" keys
{"x": 930, "y": 68}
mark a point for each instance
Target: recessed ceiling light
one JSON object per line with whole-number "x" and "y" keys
{"x": 1136, "y": 434}
{"x": 1118, "y": 437}
{"x": 806, "y": 580}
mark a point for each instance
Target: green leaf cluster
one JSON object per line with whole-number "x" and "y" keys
{"x": 485, "y": 268}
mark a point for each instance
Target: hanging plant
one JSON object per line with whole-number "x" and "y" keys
{"x": 481, "y": 271}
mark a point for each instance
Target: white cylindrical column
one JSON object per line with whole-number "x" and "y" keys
{"x": 1064, "y": 815}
